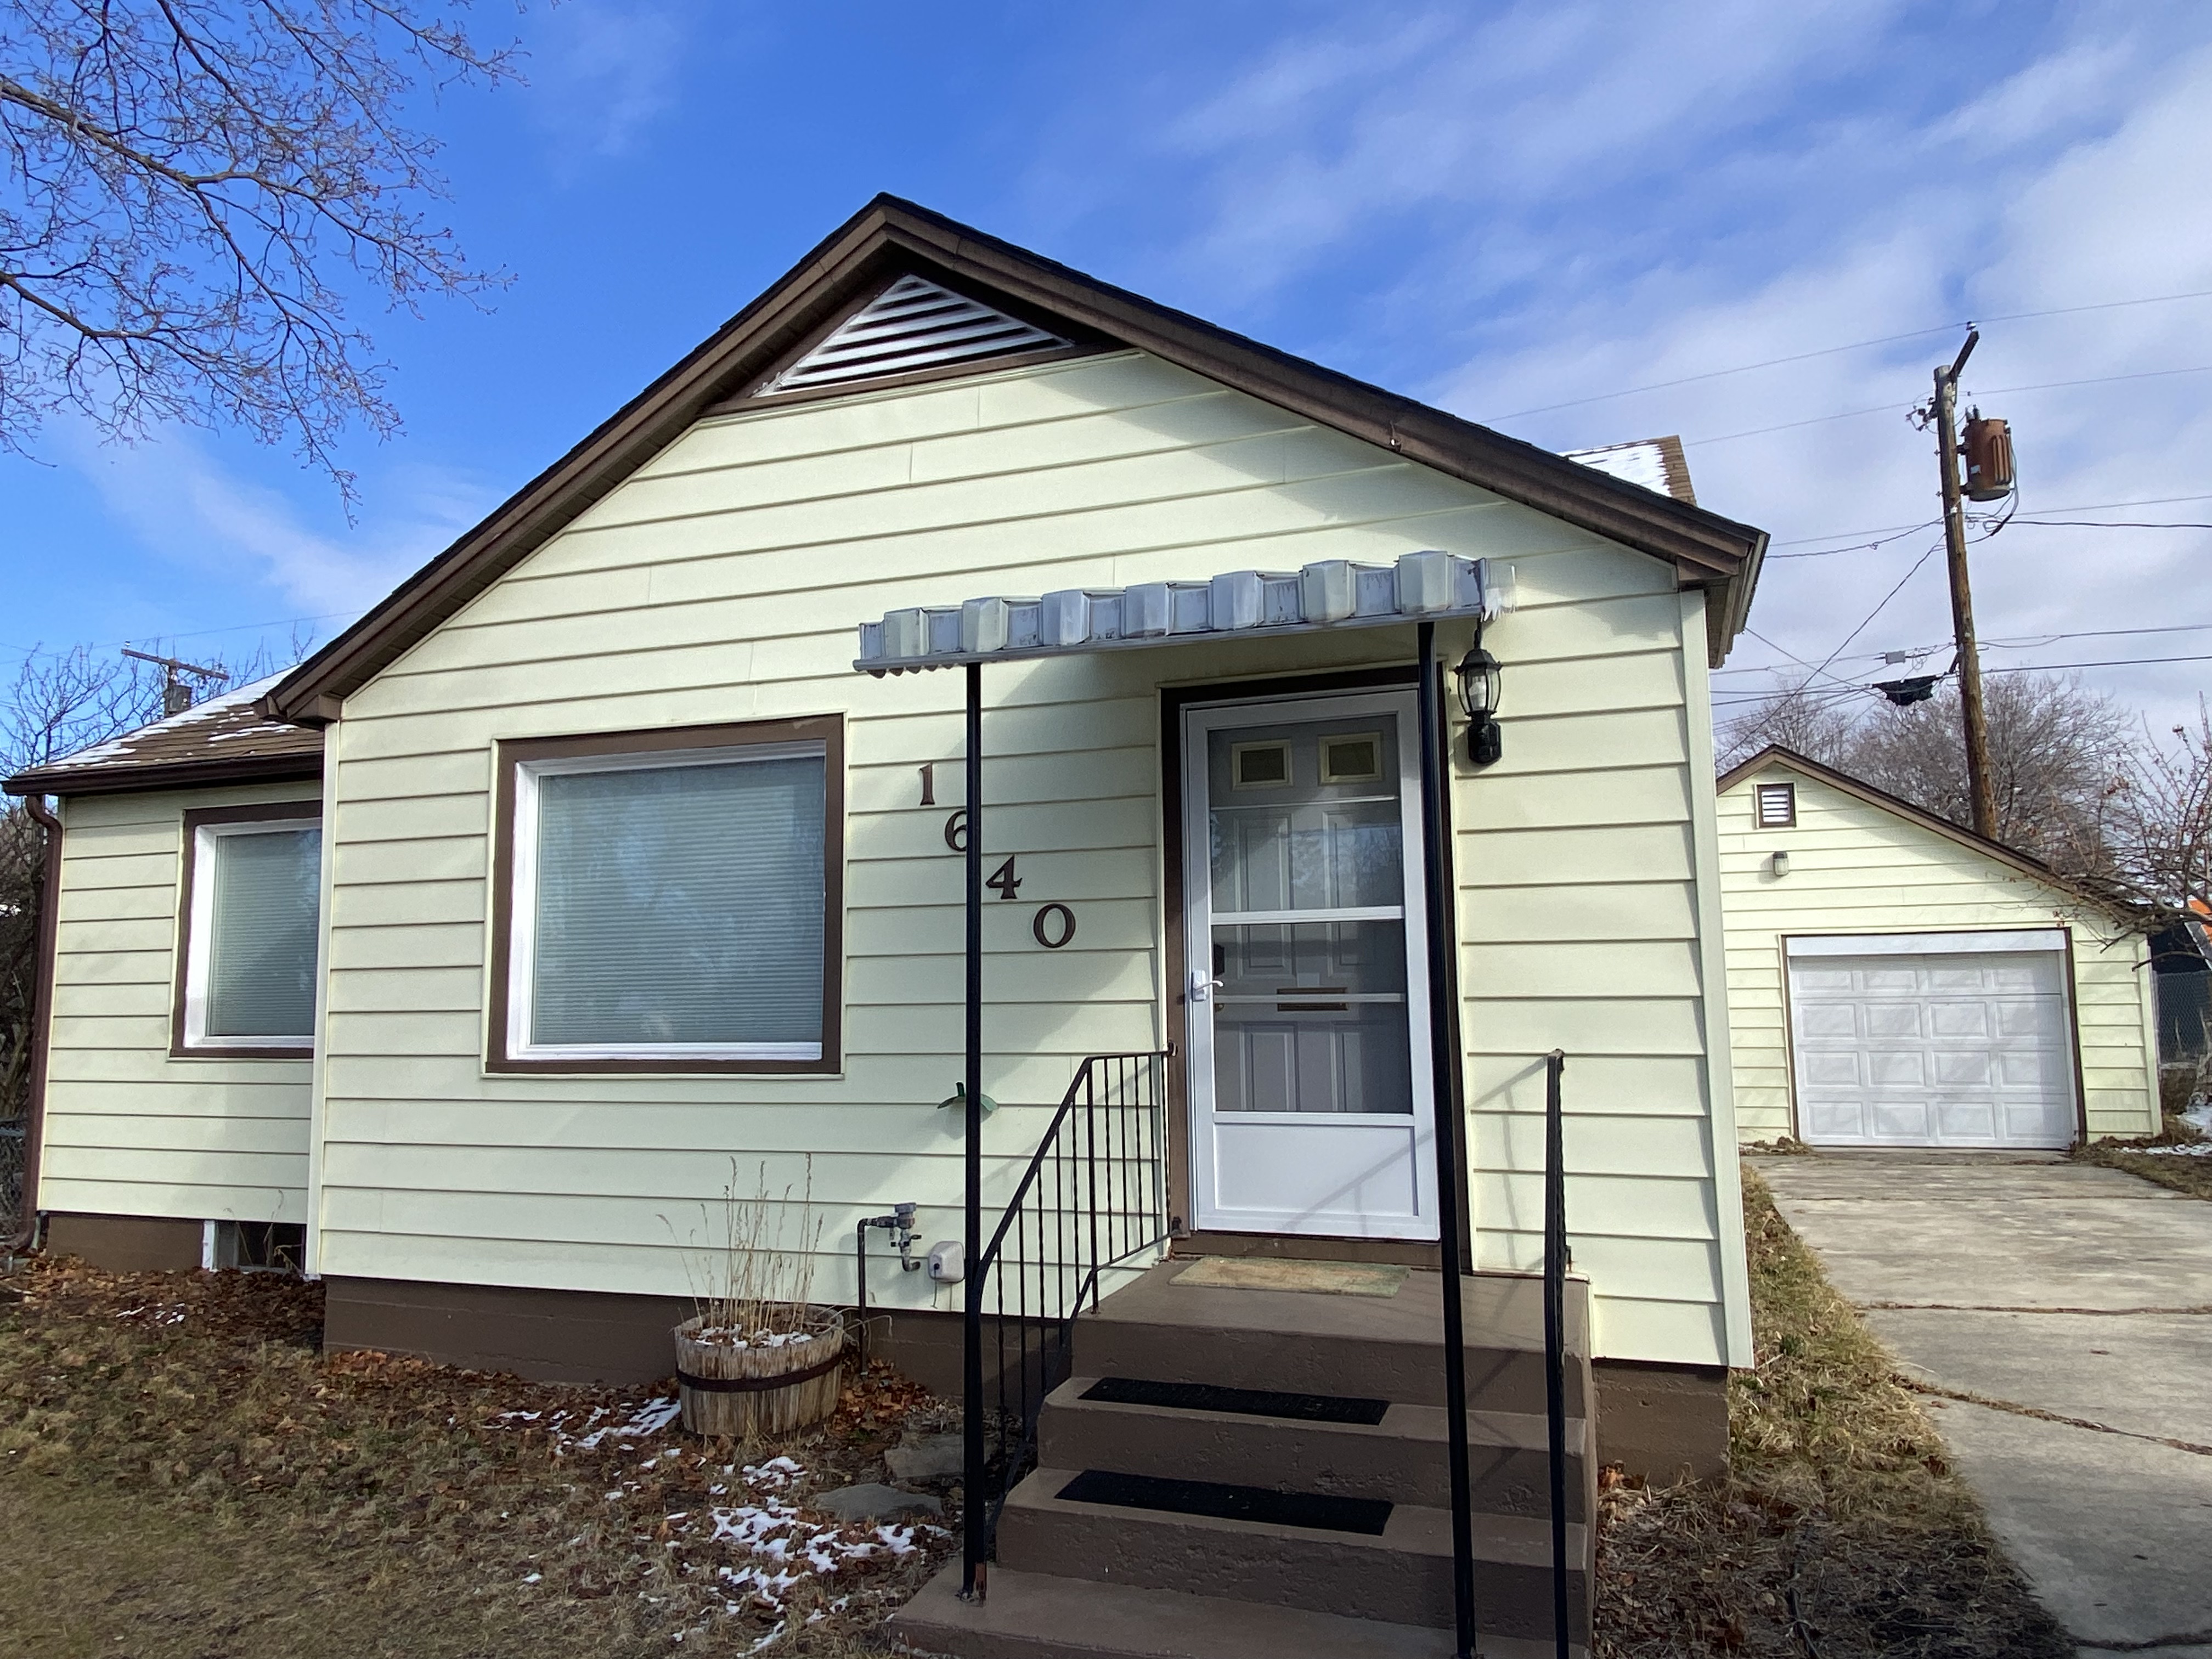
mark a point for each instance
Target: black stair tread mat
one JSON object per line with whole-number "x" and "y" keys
{"x": 1317, "y": 1510}
{"x": 1249, "y": 1402}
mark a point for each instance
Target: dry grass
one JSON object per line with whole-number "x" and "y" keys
{"x": 2184, "y": 1173}
{"x": 182, "y": 1476}
{"x": 1842, "y": 1532}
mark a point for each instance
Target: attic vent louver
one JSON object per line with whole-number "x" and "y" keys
{"x": 913, "y": 323}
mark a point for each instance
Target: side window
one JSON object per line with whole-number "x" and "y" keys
{"x": 670, "y": 908}
{"x": 1777, "y": 805}
{"x": 251, "y": 897}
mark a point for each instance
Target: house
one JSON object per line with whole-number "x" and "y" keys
{"x": 634, "y": 823}
{"x": 1895, "y": 980}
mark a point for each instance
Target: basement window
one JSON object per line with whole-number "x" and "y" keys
{"x": 1777, "y": 805}
{"x": 256, "y": 1246}
{"x": 670, "y": 900}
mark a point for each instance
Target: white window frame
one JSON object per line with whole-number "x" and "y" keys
{"x": 200, "y": 940}
{"x": 522, "y": 904}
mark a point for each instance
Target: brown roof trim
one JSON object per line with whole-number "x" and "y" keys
{"x": 126, "y": 778}
{"x": 890, "y": 235}
{"x": 2026, "y": 863}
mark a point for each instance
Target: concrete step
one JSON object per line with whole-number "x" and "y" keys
{"x": 1305, "y": 1342}
{"x": 1028, "y": 1615}
{"x": 1402, "y": 1458}
{"x": 1402, "y": 1575}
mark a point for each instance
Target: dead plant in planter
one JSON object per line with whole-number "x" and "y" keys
{"x": 758, "y": 1356}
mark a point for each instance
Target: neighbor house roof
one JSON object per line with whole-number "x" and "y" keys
{"x": 2026, "y": 863}
{"x": 890, "y": 239}
{"x": 226, "y": 739}
{"x": 1656, "y": 463}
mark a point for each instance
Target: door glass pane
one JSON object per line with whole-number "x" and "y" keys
{"x": 1328, "y": 838}
{"x": 261, "y": 958}
{"x": 1310, "y": 1016}
{"x": 681, "y": 904}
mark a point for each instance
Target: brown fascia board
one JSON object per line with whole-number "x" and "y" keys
{"x": 2026, "y": 863}
{"x": 889, "y": 235}
{"x": 173, "y": 774}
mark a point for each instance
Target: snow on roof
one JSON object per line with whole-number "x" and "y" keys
{"x": 1657, "y": 464}
{"x": 225, "y": 733}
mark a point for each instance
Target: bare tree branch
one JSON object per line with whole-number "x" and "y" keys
{"x": 196, "y": 189}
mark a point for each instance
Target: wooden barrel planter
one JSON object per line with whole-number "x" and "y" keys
{"x": 737, "y": 1393}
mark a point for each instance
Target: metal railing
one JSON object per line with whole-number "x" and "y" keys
{"x": 1558, "y": 1258}
{"x": 1092, "y": 1198}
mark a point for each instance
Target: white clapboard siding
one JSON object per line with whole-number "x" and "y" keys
{"x": 724, "y": 582}
{"x": 131, "y": 1130}
{"x": 1855, "y": 867}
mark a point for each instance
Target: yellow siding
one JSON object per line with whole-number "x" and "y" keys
{"x": 1858, "y": 868}
{"x": 723, "y": 582}
{"x": 129, "y": 1130}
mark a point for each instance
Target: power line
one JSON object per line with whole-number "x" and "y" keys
{"x": 1856, "y": 345}
{"x": 2115, "y": 662}
{"x": 2024, "y": 642}
{"x": 1994, "y": 391}
{"x": 2112, "y": 524}
{"x": 1906, "y": 530}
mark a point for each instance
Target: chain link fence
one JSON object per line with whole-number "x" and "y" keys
{"x": 11, "y": 1177}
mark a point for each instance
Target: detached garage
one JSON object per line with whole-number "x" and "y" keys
{"x": 1897, "y": 981}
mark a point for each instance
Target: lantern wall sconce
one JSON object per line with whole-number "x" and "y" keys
{"x": 1481, "y": 681}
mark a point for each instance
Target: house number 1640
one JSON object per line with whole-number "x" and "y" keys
{"x": 1054, "y": 925}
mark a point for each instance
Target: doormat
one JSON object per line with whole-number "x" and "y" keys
{"x": 1246, "y": 1402}
{"x": 1321, "y": 1511}
{"x": 1276, "y": 1272}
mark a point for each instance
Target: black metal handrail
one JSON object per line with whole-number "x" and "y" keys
{"x": 1092, "y": 1198}
{"x": 1558, "y": 1258}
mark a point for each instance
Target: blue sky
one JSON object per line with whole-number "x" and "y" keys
{"x": 1513, "y": 211}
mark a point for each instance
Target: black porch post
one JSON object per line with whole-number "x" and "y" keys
{"x": 1443, "y": 1046}
{"x": 973, "y": 1505}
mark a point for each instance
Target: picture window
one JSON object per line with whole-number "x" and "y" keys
{"x": 251, "y": 899}
{"x": 672, "y": 907}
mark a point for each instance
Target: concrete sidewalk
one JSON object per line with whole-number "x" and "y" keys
{"x": 2049, "y": 1291}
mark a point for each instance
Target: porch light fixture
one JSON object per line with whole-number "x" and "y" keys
{"x": 1481, "y": 681}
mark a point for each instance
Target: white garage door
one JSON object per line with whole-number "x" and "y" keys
{"x": 1932, "y": 1048}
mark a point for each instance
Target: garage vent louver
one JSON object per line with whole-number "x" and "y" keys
{"x": 913, "y": 323}
{"x": 1777, "y": 805}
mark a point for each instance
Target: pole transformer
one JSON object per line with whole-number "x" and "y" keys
{"x": 1945, "y": 411}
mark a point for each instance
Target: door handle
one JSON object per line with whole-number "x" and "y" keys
{"x": 1202, "y": 985}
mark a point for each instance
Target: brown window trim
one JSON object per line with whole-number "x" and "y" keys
{"x": 511, "y": 754}
{"x": 188, "y": 859}
{"x": 1759, "y": 818}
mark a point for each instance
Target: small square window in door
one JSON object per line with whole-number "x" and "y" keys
{"x": 1352, "y": 757}
{"x": 1260, "y": 765}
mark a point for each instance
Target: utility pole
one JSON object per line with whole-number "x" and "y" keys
{"x": 1944, "y": 412}
{"x": 176, "y": 696}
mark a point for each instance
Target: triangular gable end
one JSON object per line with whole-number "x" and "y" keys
{"x": 913, "y": 325}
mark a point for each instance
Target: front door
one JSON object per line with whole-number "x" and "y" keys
{"x": 1306, "y": 977}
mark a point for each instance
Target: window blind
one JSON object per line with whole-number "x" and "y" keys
{"x": 261, "y": 951}
{"x": 680, "y": 904}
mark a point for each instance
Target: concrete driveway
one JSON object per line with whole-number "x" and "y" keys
{"x": 2074, "y": 1305}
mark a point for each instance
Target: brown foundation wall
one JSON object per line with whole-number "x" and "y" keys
{"x": 126, "y": 1244}
{"x": 576, "y": 1336}
{"x": 1655, "y": 1422}
{"x": 1659, "y": 1423}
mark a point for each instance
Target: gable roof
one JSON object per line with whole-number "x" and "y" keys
{"x": 226, "y": 739}
{"x": 2026, "y": 863}
{"x": 890, "y": 238}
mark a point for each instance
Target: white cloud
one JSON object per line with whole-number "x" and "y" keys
{"x": 602, "y": 71}
{"x": 1592, "y": 197}
{"x": 186, "y": 508}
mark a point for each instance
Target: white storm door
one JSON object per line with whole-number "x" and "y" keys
{"x": 1932, "y": 1046}
{"x": 1306, "y": 981}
